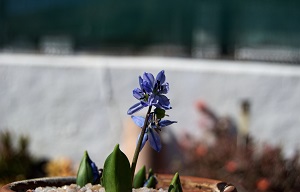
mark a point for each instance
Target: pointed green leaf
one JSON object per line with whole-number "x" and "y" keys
{"x": 151, "y": 182}
{"x": 116, "y": 172}
{"x": 175, "y": 185}
{"x": 139, "y": 178}
{"x": 85, "y": 172}
{"x": 150, "y": 173}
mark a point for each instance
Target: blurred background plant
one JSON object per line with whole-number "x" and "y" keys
{"x": 230, "y": 154}
{"x": 17, "y": 163}
{"x": 62, "y": 166}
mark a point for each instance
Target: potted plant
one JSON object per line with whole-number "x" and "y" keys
{"x": 117, "y": 173}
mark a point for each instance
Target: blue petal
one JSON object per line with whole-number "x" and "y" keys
{"x": 154, "y": 140}
{"x": 147, "y": 87}
{"x": 163, "y": 102}
{"x": 164, "y": 123}
{"x": 96, "y": 174}
{"x": 148, "y": 77}
{"x": 161, "y": 77}
{"x": 164, "y": 89}
{"x": 138, "y": 120}
{"x": 95, "y": 171}
{"x": 145, "y": 138}
{"x": 136, "y": 107}
{"x": 153, "y": 99}
{"x": 141, "y": 82}
{"x": 138, "y": 93}
{"x": 145, "y": 104}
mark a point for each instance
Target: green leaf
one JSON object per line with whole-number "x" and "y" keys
{"x": 160, "y": 113}
{"x": 150, "y": 173}
{"x": 85, "y": 172}
{"x": 116, "y": 172}
{"x": 151, "y": 182}
{"x": 139, "y": 178}
{"x": 175, "y": 185}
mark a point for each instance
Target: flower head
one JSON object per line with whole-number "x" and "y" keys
{"x": 152, "y": 130}
{"x": 151, "y": 92}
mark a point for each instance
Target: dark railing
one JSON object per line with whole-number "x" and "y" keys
{"x": 226, "y": 25}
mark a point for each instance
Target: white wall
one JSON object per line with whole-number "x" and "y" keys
{"x": 68, "y": 104}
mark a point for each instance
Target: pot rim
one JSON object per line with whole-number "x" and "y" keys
{"x": 190, "y": 182}
{"x": 19, "y": 186}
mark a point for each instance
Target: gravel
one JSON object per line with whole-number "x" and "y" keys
{"x": 86, "y": 188}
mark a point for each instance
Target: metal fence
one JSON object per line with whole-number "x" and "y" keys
{"x": 216, "y": 28}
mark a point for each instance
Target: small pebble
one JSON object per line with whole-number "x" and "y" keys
{"x": 87, "y": 188}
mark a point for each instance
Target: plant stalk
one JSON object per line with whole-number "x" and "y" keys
{"x": 139, "y": 144}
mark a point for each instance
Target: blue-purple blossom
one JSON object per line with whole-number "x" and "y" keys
{"x": 151, "y": 92}
{"x": 152, "y": 129}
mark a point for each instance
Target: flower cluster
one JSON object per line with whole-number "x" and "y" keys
{"x": 152, "y": 94}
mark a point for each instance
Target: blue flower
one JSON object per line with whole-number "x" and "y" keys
{"x": 151, "y": 92}
{"x": 152, "y": 129}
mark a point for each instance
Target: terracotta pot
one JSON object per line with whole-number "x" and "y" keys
{"x": 189, "y": 184}
{"x": 196, "y": 184}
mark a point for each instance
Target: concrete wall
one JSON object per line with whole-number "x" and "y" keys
{"x": 68, "y": 104}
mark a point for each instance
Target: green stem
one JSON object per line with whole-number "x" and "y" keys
{"x": 139, "y": 144}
